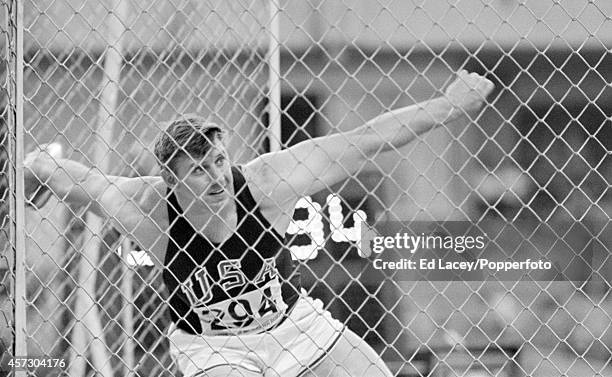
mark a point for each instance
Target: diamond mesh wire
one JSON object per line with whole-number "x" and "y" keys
{"x": 532, "y": 169}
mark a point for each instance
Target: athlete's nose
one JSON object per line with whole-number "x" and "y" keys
{"x": 217, "y": 177}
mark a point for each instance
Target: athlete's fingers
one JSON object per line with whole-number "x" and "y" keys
{"x": 485, "y": 86}
{"x": 36, "y": 193}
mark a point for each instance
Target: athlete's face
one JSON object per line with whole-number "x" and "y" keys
{"x": 208, "y": 178}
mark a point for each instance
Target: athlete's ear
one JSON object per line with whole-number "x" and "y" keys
{"x": 168, "y": 177}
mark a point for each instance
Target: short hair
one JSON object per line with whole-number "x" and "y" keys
{"x": 189, "y": 135}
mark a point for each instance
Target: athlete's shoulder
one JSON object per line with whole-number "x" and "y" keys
{"x": 256, "y": 179}
{"x": 154, "y": 193}
{"x": 260, "y": 165}
{"x": 257, "y": 173}
{"x": 262, "y": 181}
{"x": 149, "y": 214}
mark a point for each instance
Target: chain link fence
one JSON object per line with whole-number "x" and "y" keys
{"x": 531, "y": 170}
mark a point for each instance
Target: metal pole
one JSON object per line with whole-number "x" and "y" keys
{"x": 274, "y": 79}
{"x": 127, "y": 314}
{"x": 86, "y": 307}
{"x": 20, "y": 249}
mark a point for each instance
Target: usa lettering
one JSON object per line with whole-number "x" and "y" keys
{"x": 198, "y": 289}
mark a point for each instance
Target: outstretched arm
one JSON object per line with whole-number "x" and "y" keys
{"x": 113, "y": 197}
{"x": 310, "y": 166}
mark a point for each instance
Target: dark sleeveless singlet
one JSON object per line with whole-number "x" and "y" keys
{"x": 246, "y": 284}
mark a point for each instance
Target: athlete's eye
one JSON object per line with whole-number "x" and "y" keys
{"x": 220, "y": 160}
{"x": 198, "y": 169}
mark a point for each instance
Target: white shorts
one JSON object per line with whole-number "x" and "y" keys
{"x": 289, "y": 350}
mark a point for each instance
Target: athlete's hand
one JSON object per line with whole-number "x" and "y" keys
{"x": 469, "y": 91}
{"x": 38, "y": 165}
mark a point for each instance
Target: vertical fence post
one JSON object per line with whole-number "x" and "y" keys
{"x": 274, "y": 79}
{"x": 17, "y": 150}
{"x": 127, "y": 314}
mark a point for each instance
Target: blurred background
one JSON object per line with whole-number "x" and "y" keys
{"x": 101, "y": 77}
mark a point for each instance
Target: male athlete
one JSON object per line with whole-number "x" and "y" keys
{"x": 217, "y": 230}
